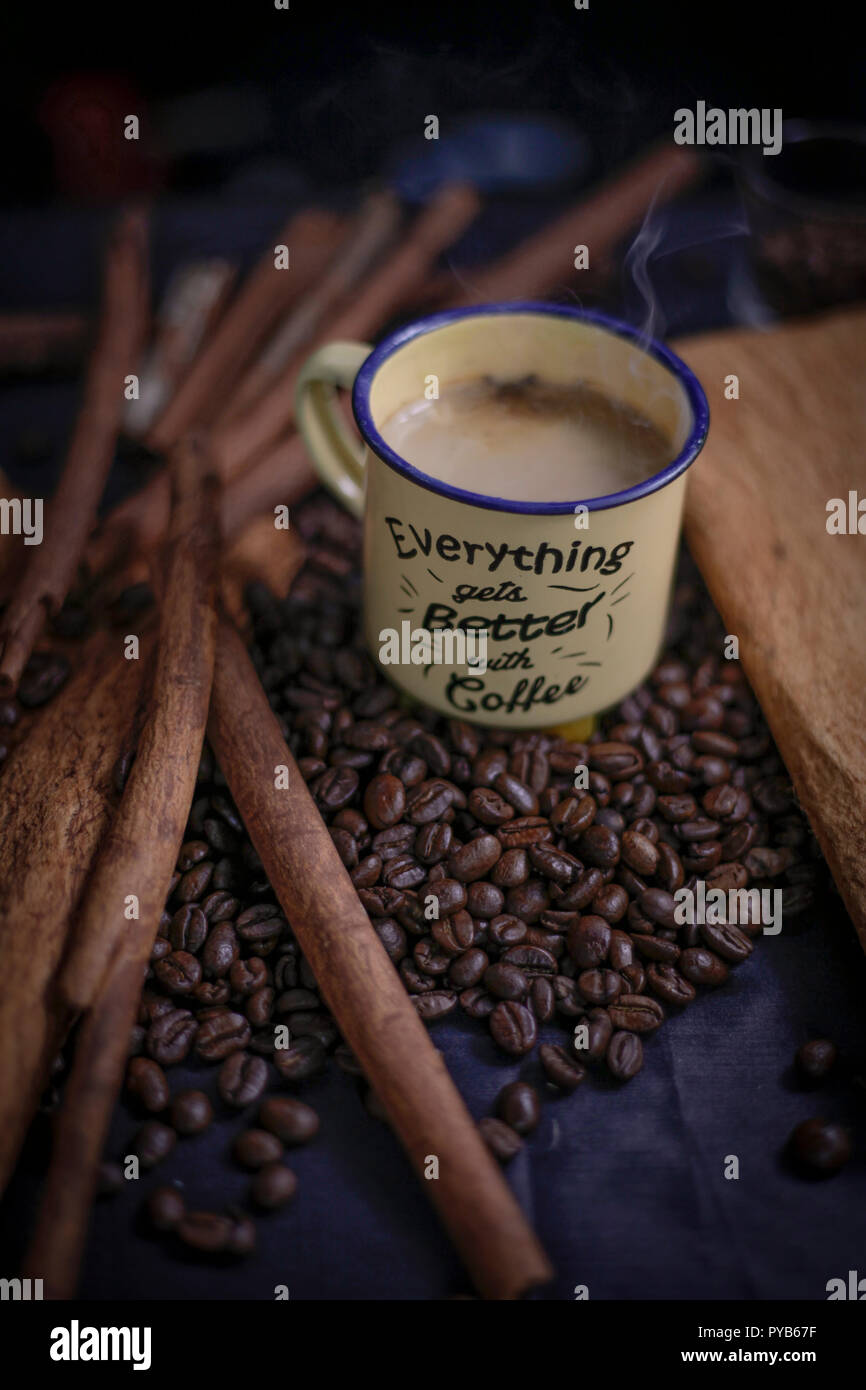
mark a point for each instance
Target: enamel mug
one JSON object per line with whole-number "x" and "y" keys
{"x": 520, "y": 615}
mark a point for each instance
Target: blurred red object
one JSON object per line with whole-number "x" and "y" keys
{"x": 86, "y": 116}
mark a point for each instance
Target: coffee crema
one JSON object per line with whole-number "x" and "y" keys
{"x": 528, "y": 440}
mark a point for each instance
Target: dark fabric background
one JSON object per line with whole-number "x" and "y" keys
{"x": 624, "y": 1185}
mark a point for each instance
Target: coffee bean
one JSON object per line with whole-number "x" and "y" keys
{"x": 146, "y": 1080}
{"x": 253, "y": 1148}
{"x": 205, "y": 1231}
{"x": 273, "y": 1186}
{"x": 727, "y": 941}
{"x": 475, "y": 859}
{"x": 599, "y": 847}
{"x": 519, "y": 1107}
{"x": 384, "y": 800}
{"x": 476, "y": 1002}
{"x": 242, "y": 1079}
{"x": 165, "y": 1208}
{"x": 170, "y": 1036}
{"x": 624, "y": 1055}
{"x": 178, "y": 973}
{"x": 191, "y": 1112}
{"x": 589, "y": 942}
{"x": 636, "y": 1013}
{"x": 820, "y": 1147}
{"x": 702, "y": 967}
{"x": 669, "y": 985}
{"x": 505, "y": 981}
{"x": 306, "y": 1056}
{"x": 599, "y": 986}
{"x": 220, "y": 1036}
{"x": 290, "y": 1120}
{"x": 513, "y": 1028}
{"x": 563, "y": 1070}
{"x": 816, "y": 1059}
{"x": 502, "y": 1141}
{"x": 153, "y": 1142}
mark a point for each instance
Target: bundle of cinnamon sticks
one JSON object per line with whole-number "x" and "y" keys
{"x": 75, "y": 939}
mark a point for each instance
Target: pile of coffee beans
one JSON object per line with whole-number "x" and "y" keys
{"x": 554, "y": 901}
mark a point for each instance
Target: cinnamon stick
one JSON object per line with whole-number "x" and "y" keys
{"x": 371, "y": 232}
{"x": 311, "y": 238}
{"x": 362, "y": 988}
{"x": 107, "y": 965}
{"x": 545, "y": 261}
{"x": 140, "y": 849}
{"x": 403, "y": 273}
{"x": 192, "y": 305}
{"x": 51, "y": 566}
{"x": 56, "y": 798}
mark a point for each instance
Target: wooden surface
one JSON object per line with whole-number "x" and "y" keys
{"x": 794, "y": 595}
{"x": 362, "y": 988}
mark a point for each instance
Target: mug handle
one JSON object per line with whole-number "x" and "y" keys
{"x": 338, "y": 457}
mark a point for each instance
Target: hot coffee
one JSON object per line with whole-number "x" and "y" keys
{"x": 528, "y": 440}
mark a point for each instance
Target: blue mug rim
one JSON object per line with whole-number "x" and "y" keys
{"x": 392, "y": 344}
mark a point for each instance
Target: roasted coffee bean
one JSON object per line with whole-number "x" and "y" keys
{"x": 476, "y": 1002}
{"x": 468, "y": 968}
{"x": 220, "y": 950}
{"x": 589, "y": 941}
{"x": 669, "y": 985}
{"x": 816, "y": 1059}
{"x": 506, "y": 930}
{"x": 188, "y": 929}
{"x": 502, "y": 1141}
{"x": 542, "y": 998}
{"x": 194, "y": 883}
{"x": 170, "y": 1036}
{"x": 591, "y": 1045}
{"x": 621, "y": 950}
{"x": 384, "y": 800}
{"x": 523, "y": 831}
{"x": 435, "y": 1004}
{"x": 146, "y": 1080}
{"x": 610, "y": 902}
{"x": 248, "y": 976}
{"x": 153, "y": 1142}
{"x": 599, "y": 847}
{"x": 555, "y": 864}
{"x": 191, "y": 1112}
{"x": 475, "y": 859}
{"x": 518, "y": 1106}
{"x": 242, "y": 1079}
{"x": 568, "y": 1002}
{"x": 220, "y": 1036}
{"x": 636, "y": 1013}
{"x": 165, "y": 1208}
{"x": 290, "y": 1120}
{"x": 513, "y": 1028}
{"x": 702, "y": 967}
{"x": 433, "y": 843}
{"x": 599, "y": 986}
{"x": 634, "y": 978}
{"x": 562, "y": 1070}
{"x": 670, "y": 874}
{"x": 256, "y": 1147}
{"x": 205, "y": 1231}
{"x": 727, "y": 941}
{"x": 242, "y": 1236}
{"x": 624, "y": 1055}
{"x": 531, "y": 959}
{"x": 273, "y": 1186}
{"x": 656, "y": 948}
{"x": 488, "y": 807}
{"x": 639, "y": 853}
{"x": 820, "y": 1147}
{"x": 450, "y": 895}
{"x": 484, "y": 900}
{"x": 305, "y": 1056}
{"x": 454, "y": 934}
{"x": 429, "y": 801}
{"x": 615, "y": 760}
{"x": 505, "y": 981}
{"x": 178, "y": 973}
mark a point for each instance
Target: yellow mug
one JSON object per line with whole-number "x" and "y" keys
{"x": 567, "y": 599}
